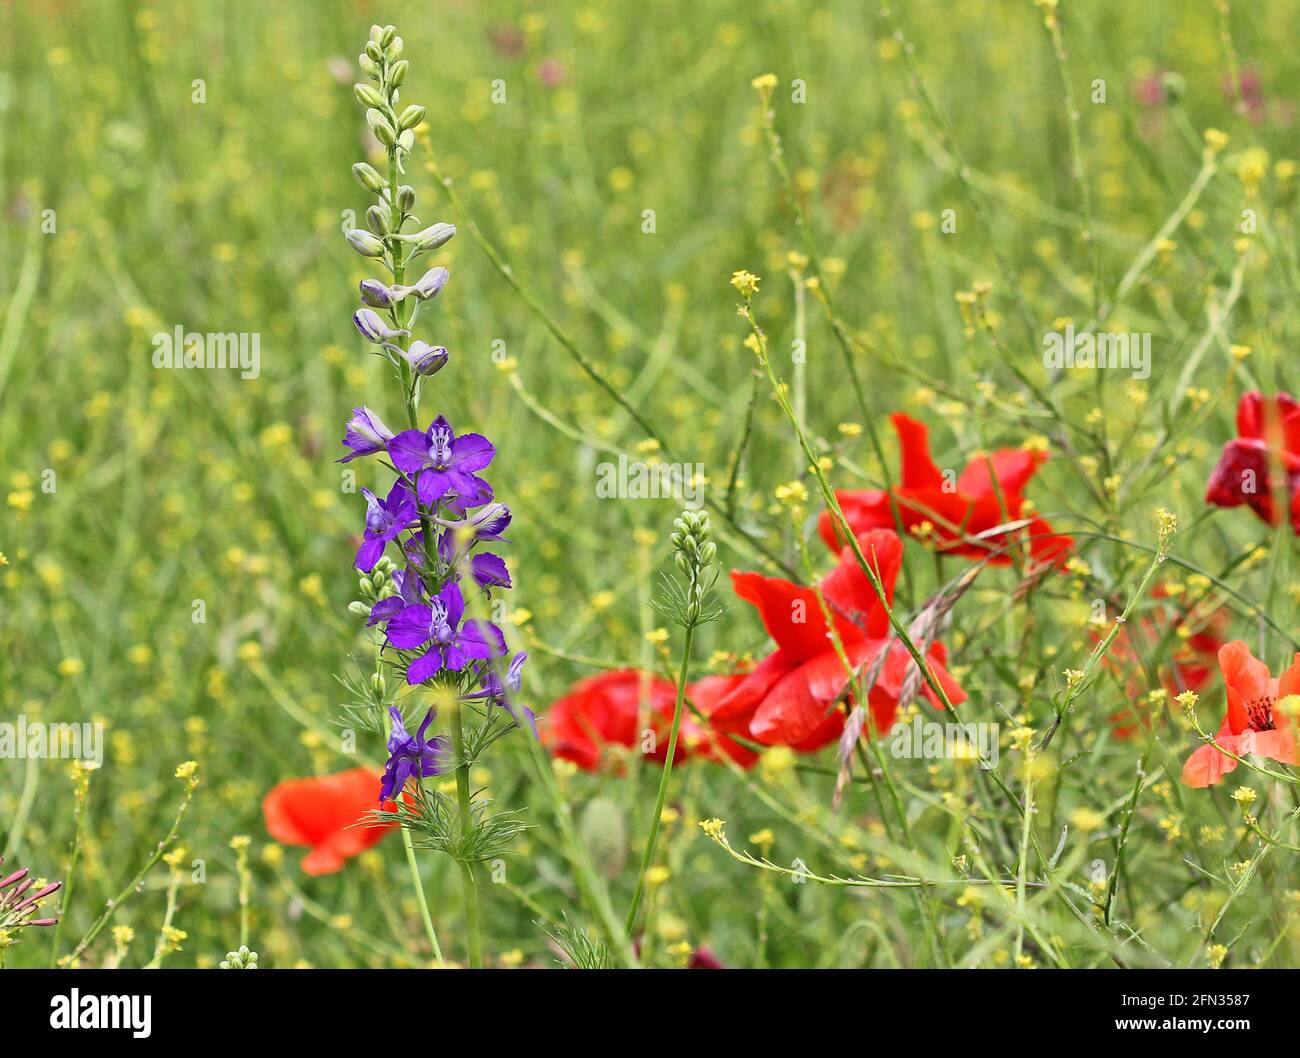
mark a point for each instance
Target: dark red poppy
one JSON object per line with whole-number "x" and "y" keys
{"x": 1254, "y": 725}
{"x": 986, "y": 494}
{"x": 1262, "y": 460}
{"x": 789, "y": 699}
{"x": 330, "y": 814}
{"x": 606, "y": 710}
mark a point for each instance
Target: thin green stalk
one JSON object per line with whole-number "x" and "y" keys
{"x": 648, "y": 856}
{"x": 467, "y": 873}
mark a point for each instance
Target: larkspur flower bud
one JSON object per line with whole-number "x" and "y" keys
{"x": 406, "y": 198}
{"x": 358, "y": 609}
{"x": 429, "y": 238}
{"x": 425, "y": 359}
{"x": 368, "y": 65}
{"x": 379, "y": 125}
{"x": 367, "y": 176}
{"x": 373, "y": 329}
{"x": 406, "y": 140}
{"x": 378, "y": 684}
{"x": 377, "y": 33}
{"x": 393, "y": 50}
{"x": 377, "y": 220}
{"x": 430, "y": 283}
{"x": 397, "y": 73}
{"x": 375, "y": 294}
{"x": 364, "y": 242}
{"x": 374, "y": 51}
{"x": 387, "y": 35}
{"x": 411, "y": 117}
{"x": 368, "y": 95}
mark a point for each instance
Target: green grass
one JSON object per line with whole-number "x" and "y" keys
{"x": 178, "y": 486}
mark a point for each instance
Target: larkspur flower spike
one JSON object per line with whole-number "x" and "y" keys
{"x": 440, "y": 510}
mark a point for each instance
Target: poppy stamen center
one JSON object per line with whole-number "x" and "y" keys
{"x": 1260, "y": 713}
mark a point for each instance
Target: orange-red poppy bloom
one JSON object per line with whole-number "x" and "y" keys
{"x": 701, "y": 739}
{"x": 790, "y": 697}
{"x": 1254, "y": 724}
{"x": 1262, "y": 459}
{"x": 986, "y": 494}
{"x": 1198, "y": 638}
{"x": 330, "y": 814}
{"x": 606, "y": 710}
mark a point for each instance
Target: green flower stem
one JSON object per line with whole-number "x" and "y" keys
{"x": 467, "y": 874}
{"x": 653, "y": 837}
{"x": 419, "y": 895}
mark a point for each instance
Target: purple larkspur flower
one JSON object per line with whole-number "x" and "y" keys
{"x": 383, "y": 296}
{"x": 384, "y": 520}
{"x": 435, "y": 628}
{"x": 374, "y": 329}
{"x": 441, "y": 462}
{"x": 486, "y": 524}
{"x": 425, "y": 359}
{"x": 411, "y": 756}
{"x": 365, "y": 434}
{"x": 501, "y": 693}
{"x": 489, "y": 571}
{"x": 410, "y": 592}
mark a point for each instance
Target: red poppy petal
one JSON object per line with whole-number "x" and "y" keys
{"x": 1246, "y": 678}
{"x": 918, "y": 469}
{"x": 1206, "y": 766}
{"x": 1013, "y": 467}
{"x": 791, "y": 613}
{"x": 849, "y": 592}
{"x": 869, "y": 509}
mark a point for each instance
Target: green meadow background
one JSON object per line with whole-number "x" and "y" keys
{"x": 129, "y": 493}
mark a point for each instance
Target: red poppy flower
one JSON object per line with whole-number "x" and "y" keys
{"x": 329, "y": 814}
{"x": 956, "y": 510}
{"x": 1267, "y": 444}
{"x": 1191, "y": 663}
{"x": 1254, "y": 724}
{"x": 789, "y": 697}
{"x": 606, "y": 710}
{"x": 701, "y": 739}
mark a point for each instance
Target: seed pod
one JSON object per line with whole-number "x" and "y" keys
{"x": 411, "y": 117}
{"x": 366, "y": 244}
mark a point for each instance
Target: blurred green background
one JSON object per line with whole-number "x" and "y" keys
{"x": 225, "y": 215}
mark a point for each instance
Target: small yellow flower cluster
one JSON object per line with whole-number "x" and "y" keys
{"x": 746, "y": 283}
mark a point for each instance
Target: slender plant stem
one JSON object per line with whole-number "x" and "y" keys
{"x": 653, "y": 837}
{"x": 472, "y": 928}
